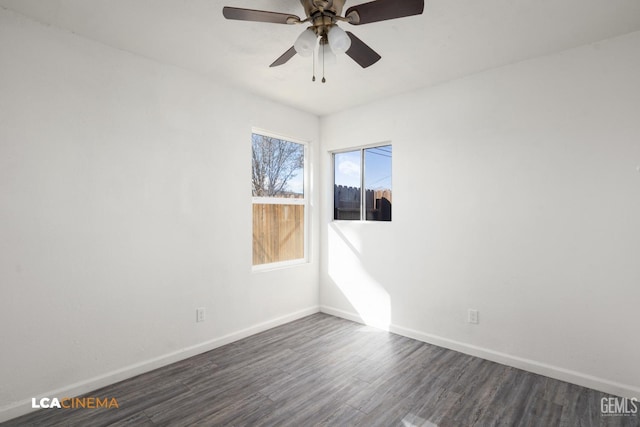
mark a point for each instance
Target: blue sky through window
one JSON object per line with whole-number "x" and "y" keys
{"x": 296, "y": 183}
{"x": 377, "y": 168}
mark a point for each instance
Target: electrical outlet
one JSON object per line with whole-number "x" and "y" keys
{"x": 473, "y": 316}
{"x": 200, "y": 314}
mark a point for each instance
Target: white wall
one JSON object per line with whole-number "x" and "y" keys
{"x": 125, "y": 204}
{"x": 517, "y": 193}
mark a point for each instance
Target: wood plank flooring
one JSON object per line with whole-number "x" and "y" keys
{"x": 326, "y": 371}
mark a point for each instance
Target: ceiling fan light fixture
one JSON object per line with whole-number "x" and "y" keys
{"x": 306, "y": 43}
{"x": 338, "y": 40}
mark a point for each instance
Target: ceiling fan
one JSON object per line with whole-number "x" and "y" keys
{"x": 323, "y": 17}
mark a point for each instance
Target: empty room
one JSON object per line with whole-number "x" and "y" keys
{"x": 319, "y": 213}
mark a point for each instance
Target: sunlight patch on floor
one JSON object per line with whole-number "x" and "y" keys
{"x": 412, "y": 420}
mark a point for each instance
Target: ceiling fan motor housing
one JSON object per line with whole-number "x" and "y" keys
{"x": 333, "y": 7}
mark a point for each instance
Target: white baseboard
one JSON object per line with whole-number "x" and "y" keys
{"x": 23, "y": 407}
{"x": 341, "y": 313}
{"x": 574, "y": 377}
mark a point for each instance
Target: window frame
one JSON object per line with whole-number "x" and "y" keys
{"x": 304, "y": 201}
{"x": 363, "y": 201}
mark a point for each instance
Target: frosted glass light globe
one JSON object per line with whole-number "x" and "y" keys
{"x": 339, "y": 40}
{"x": 306, "y": 43}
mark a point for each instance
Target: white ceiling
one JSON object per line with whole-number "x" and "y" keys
{"x": 453, "y": 38}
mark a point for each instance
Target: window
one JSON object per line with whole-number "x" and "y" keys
{"x": 279, "y": 199}
{"x": 362, "y": 184}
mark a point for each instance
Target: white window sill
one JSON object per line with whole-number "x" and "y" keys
{"x": 278, "y": 265}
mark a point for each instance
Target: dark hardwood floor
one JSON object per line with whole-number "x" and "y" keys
{"x": 322, "y": 370}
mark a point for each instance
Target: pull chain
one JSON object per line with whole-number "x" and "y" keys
{"x": 313, "y": 56}
{"x": 323, "y": 79}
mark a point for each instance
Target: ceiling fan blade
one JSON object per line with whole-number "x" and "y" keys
{"x": 259, "y": 15}
{"x": 382, "y": 10}
{"x": 361, "y": 53}
{"x": 284, "y": 57}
